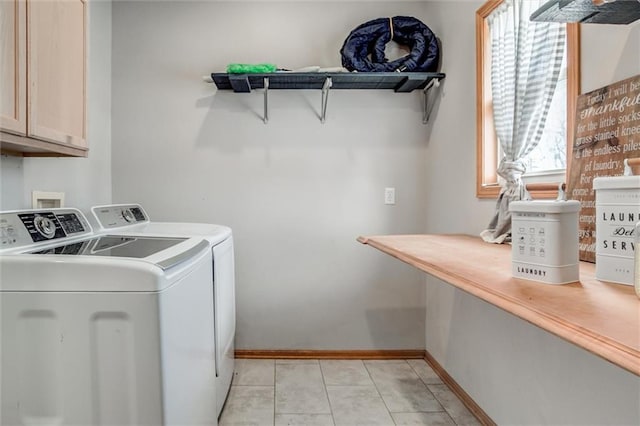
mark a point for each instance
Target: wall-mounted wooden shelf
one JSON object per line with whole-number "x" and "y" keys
{"x": 401, "y": 82}
{"x": 599, "y": 317}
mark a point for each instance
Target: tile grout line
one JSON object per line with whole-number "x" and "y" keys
{"x": 440, "y": 402}
{"x": 444, "y": 410}
{"x": 378, "y": 390}
{"x": 426, "y": 385}
{"x": 274, "y": 392}
{"x": 326, "y": 392}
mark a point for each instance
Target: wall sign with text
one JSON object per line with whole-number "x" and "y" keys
{"x": 607, "y": 131}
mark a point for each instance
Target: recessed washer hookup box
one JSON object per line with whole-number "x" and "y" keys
{"x": 544, "y": 241}
{"x": 617, "y": 213}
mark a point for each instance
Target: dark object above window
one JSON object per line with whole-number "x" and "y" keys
{"x": 589, "y": 11}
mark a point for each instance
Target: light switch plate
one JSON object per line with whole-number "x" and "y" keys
{"x": 390, "y": 196}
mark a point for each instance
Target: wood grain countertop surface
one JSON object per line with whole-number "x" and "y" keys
{"x": 601, "y": 317}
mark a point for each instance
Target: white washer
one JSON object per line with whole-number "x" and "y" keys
{"x": 103, "y": 328}
{"x": 131, "y": 219}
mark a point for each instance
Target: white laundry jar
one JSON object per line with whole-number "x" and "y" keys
{"x": 544, "y": 239}
{"x": 617, "y": 212}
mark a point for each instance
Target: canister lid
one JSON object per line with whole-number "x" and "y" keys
{"x": 545, "y": 206}
{"x": 617, "y": 182}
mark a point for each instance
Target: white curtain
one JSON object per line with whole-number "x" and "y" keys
{"x": 526, "y": 58}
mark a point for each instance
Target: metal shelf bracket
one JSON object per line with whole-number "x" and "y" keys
{"x": 428, "y": 104}
{"x": 399, "y": 82}
{"x": 265, "y": 117}
{"x": 325, "y": 98}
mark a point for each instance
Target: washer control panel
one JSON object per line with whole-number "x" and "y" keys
{"x": 42, "y": 226}
{"x": 118, "y": 215}
{"x": 21, "y": 228}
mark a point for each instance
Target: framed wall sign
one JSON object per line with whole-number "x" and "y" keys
{"x": 607, "y": 131}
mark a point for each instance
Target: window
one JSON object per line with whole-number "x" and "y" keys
{"x": 551, "y": 153}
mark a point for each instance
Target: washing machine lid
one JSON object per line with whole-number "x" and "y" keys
{"x": 160, "y": 251}
{"x": 115, "y": 246}
{"x": 215, "y": 234}
{"x": 132, "y": 219}
{"x": 103, "y": 265}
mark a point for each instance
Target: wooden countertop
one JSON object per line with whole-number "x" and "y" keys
{"x": 600, "y": 317}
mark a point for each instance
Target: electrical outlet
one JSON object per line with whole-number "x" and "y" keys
{"x": 390, "y": 196}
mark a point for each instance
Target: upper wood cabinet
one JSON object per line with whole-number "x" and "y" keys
{"x": 13, "y": 83}
{"x": 43, "y": 77}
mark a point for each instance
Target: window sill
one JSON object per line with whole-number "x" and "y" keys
{"x": 488, "y": 191}
{"x": 536, "y": 190}
{"x": 599, "y": 317}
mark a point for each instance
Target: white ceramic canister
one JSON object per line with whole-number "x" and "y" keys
{"x": 617, "y": 212}
{"x": 544, "y": 240}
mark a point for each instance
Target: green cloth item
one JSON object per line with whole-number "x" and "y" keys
{"x": 250, "y": 68}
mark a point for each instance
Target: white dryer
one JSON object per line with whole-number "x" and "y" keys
{"x": 103, "y": 328}
{"x": 132, "y": 219}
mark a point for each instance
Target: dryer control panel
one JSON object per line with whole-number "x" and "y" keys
{"x": 119, "y": 215}
{"x": 21, "y": 228}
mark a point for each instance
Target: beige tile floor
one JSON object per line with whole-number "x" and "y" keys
{"x": 340, "y": 392}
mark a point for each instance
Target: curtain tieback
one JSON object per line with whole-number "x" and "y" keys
{"x": 511, "y": 171}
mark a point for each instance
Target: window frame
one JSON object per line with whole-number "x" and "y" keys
{"x": 487, "y": 185}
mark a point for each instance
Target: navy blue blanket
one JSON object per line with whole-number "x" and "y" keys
{"x": 363, "y": 50}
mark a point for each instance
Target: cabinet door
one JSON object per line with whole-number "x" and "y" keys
{"x": 13, "y": 84}
{"x": 56, "y": 54}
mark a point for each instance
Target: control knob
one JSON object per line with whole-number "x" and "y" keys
{"x": 128, "y": 216}
{"x": 45, "y": 226}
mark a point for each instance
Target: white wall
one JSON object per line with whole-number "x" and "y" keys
{"x": 610, "y": 53}
{"x": 85, "y": 181}
{"x": 296, "y": 193}
{"x": 452, "y": 205}
{"x": 518, "y": 373}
